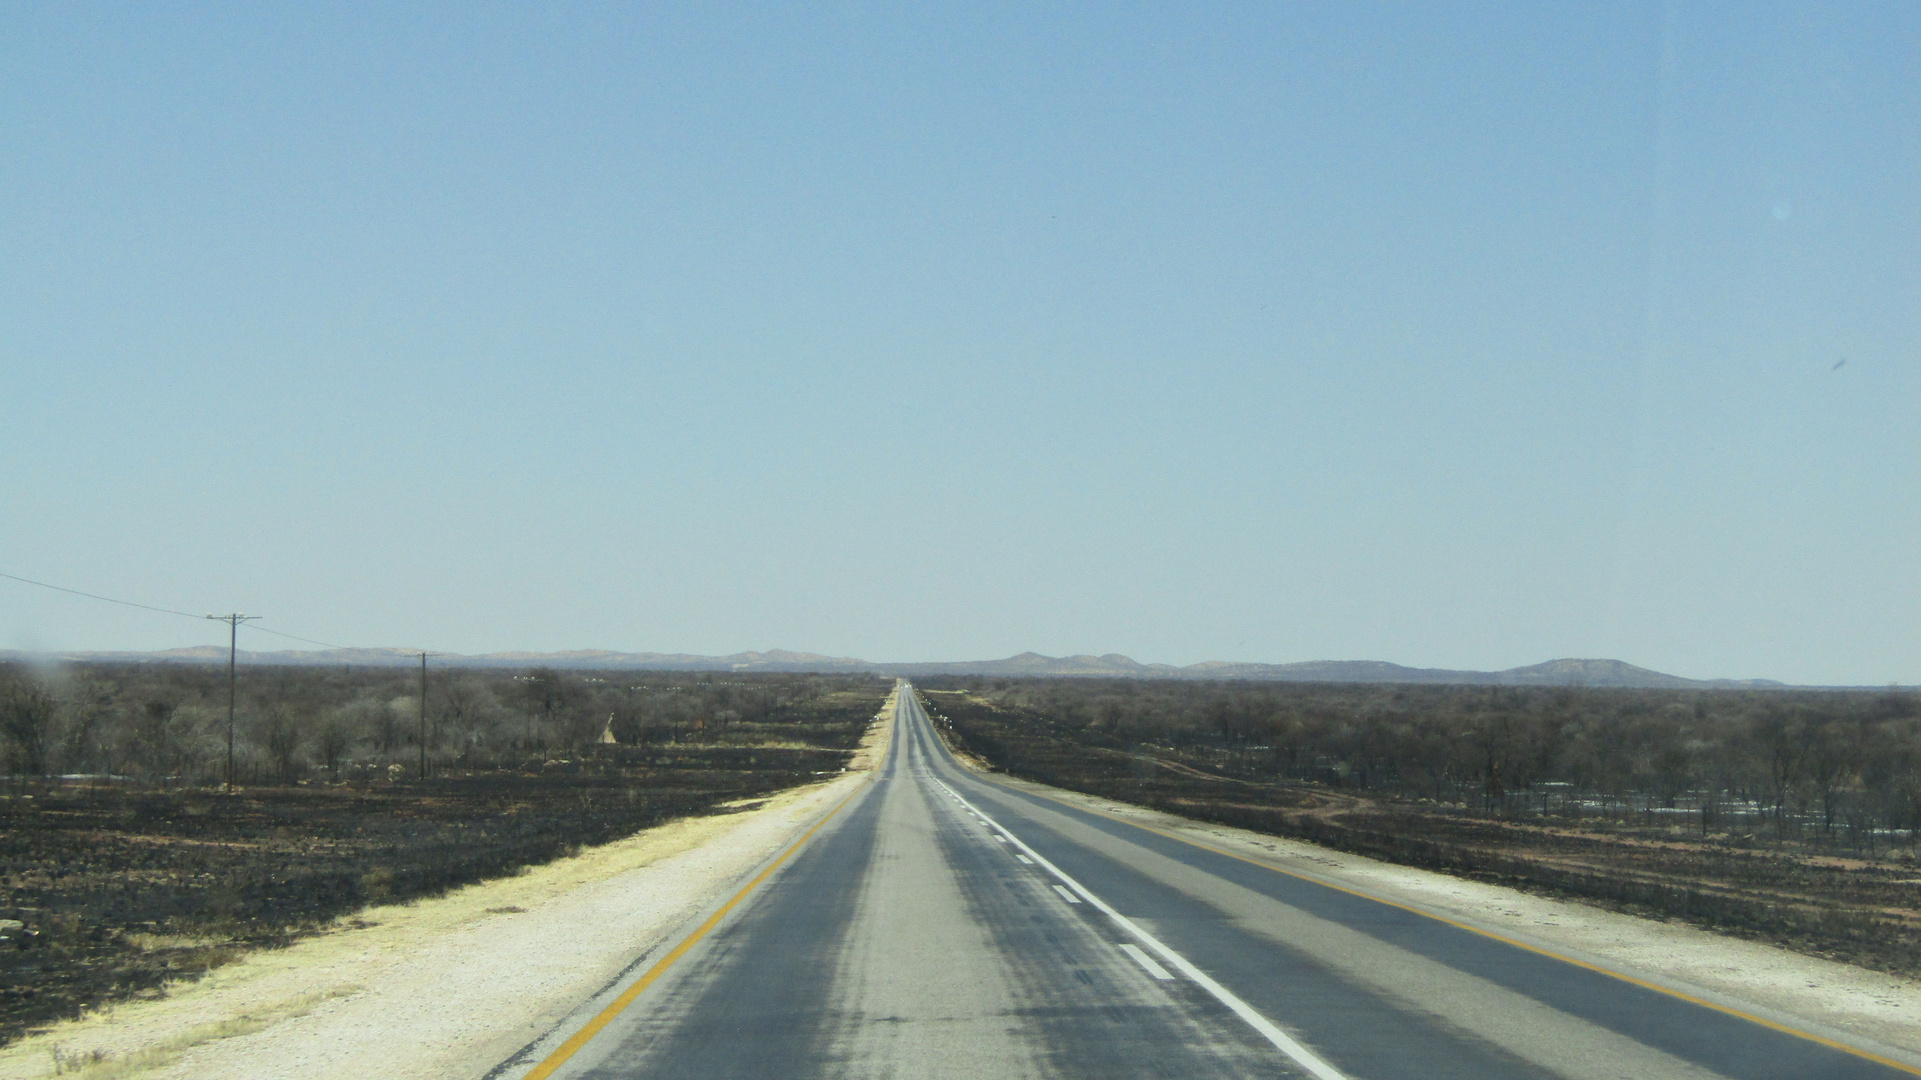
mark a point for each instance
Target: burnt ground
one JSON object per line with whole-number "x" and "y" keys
{"x": 121, "y": 890}
{"x": 1854, "y": 910}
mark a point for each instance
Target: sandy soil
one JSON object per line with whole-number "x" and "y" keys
{"x": 1868, "y": 1008}
{"x": 440, "y": 988}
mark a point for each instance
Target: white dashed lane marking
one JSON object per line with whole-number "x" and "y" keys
{"x": 1146, "y": 962}
{"x": 1072, "y": 891}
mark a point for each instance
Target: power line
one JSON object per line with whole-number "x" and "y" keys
{"x": 297, "y": 637}
{"x": 167, "y": 611}
{"x": 331, "y": 645}
{"x": 234, "y": 622}
{"x": 97, "y": 596}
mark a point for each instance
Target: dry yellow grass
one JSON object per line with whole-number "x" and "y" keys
{"x": 97, "y": 1064}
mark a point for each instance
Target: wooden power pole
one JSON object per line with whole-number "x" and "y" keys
{"x": 423, "y": 716}
{"x": 233, "y": 622}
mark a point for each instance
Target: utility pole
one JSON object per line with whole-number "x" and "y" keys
{"x": 423, "y": 716}
{"x": 233, "y": 622}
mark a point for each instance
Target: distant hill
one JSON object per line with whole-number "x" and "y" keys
{"x": 1608, "y": 673}
{"x": 1551, "y": 673}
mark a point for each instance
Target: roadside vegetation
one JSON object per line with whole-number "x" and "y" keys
{"x": 1788, "y": 816}
{"x": 125, "y": 864}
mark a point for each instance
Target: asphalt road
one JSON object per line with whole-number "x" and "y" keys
{"x": 942, "y": 924}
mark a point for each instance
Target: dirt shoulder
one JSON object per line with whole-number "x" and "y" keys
{"x": 1823, "y": 996}
{"x": 446, "y": 987}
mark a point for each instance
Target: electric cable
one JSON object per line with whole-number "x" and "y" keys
{"x": 170, "y": 611}
{"x": 97, "y": 596}
{"x": 297, "y": 637}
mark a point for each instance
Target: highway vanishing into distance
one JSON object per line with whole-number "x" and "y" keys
{"x": 942, "y": 924}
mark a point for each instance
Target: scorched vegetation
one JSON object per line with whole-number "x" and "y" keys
{"x": 125, "y": 863}
{"x": 1785, "y": 815}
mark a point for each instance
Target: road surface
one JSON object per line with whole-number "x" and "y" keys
{"x": 940, "y": 924}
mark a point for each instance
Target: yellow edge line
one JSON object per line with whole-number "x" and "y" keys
{"x": 619, "y": 1005}
{"x": 1598, "y": 969}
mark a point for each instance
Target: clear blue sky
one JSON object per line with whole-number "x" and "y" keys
{"x": 1457, "y": 336}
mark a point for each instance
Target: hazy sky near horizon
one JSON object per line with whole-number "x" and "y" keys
{"x": 1461, "y": 336}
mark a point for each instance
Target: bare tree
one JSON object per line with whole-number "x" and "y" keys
{"x": 91, "y": 709}
{"x": 27, "y": 716}
{"x": 278, "y": 733}
{"x": 152, "y": 746}
{"x": 1834, "y": 761}
{"x": 333, "y": 741}
{"x": 466, "y": 711}
{"x": 1782, "y": 743}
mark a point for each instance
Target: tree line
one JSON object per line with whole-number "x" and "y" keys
{"x": 1838, "y": 766}
{"x": 167, "y": 723}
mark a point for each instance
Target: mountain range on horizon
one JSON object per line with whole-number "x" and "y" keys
{"x": 1564, "y": 672}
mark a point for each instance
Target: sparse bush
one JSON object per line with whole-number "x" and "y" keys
{"x": 27, "y": 714}
{"x": 126, "y": 884}
{"x": 1720, "y": 808}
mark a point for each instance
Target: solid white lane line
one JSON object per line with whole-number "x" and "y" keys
{"x": 1023, "y": 858}
{"x": 1146, "y": 962}
{"x": 1067, "y": 896}
{"x": 1301, "y": 1055}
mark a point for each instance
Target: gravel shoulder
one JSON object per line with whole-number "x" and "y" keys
{"x": 1826, "y": 998}
{"x": 447, "y": 987}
